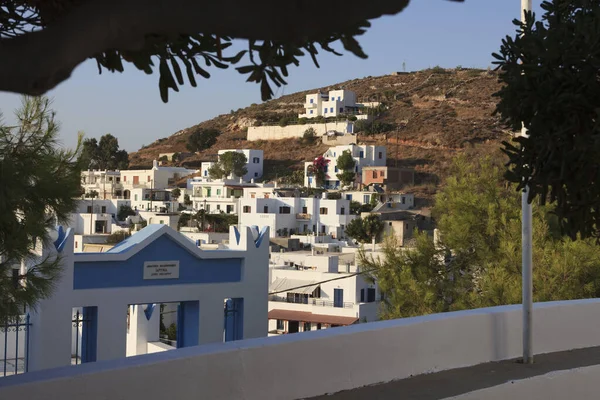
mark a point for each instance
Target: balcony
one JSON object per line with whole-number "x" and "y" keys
{"x": 469, "y": 354}
{"x": 303, "y": 216}
{"x": 314, "y": 302}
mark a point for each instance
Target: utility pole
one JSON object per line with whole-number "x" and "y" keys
{"x": 526, "y": 244}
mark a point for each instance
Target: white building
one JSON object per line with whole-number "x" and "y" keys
{"x": 119, "y": 184}
{"x": 303, "y": 296}
{"x": 223, "y": 195}
{"x": 398, "y": 201}
{"x": 333, "y": 104}
{"x": 156, "y": 200}
{"x": 218, "y": 296}
{"x": 296, "y": 215}
{"x": 363, "y": 155}
{"x": 254, "y": 165}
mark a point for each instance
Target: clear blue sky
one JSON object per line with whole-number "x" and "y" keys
{"x": 128, "y": 105}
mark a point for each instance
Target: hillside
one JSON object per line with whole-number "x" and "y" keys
{"x": 445, "y": 111}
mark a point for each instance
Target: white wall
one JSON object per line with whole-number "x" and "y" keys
{"x": 381, "y": 352}
{"x": 276, "y": 132}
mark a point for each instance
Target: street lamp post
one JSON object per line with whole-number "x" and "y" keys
{"x": 527, "y": 258}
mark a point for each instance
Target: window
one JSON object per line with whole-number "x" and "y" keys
{"x": 284, "y": 210}
{"x": 148, "y": 178}
{"x": 307, "y": 326}
{"x": 161, "y": 221}
{"x": 323, "y": 210}
{"x": 325, "y": 111}
{"x": 331, "y": 109}
{"x": 370, "y": 295}
{"x": 218, "y": 206}
{"x": 361, "y": 154}
{"x": 205, "y": 172}
{"x": 125, "y": 178}
{"x": 311, "y": 101}
{"x": 336, "y": 169}
{"x": 304, "y": 210}
{"x": 311, "y": 111}
{"x": 256, "y": 160}
{"x": 362, "y": 295}
{"x": 339, "y": 98}
{"x": 341, "y": 109}
{"x": 356, "y": 169}
{"x": 247, "y": 209}
{"x": 229, "y": 209}
{"x": 218, "y": 192}
{"x": 381, "y": 173}
{"x": 366, "y": 198}
{"x": 349, "y": 197}
{"x": 326, "y": 169}
{"x": 403, "y": 200}
{"x": 319, "y": 326}
{"x": 266, "y": 209}
{"x": 135, "y": 197}
{"x": 343, "y": 211}
{"x": 103, "y": 209}
{"x": 89, "y": 209}
{"x": 256, "y": 174}
{"x": 380, "y": 155}
{"x": 374, "y": 174}
{"x": 280, "y": 325}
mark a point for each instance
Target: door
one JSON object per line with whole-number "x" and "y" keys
{"x": 293, "y": 326}
{"x": 136, "y": 180}
{"x": 338, "y": 297}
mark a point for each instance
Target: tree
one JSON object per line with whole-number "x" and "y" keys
{"x": 176, "y": 193}
{"x": 186, "y": 200}
{"x": 124, "y": 212}
{"x": 202, "y": 139}
{"x": 39, "y": 48}
{"x": 476, "y": 261}
{"x": 317, "y": 169}
{"x": 346, "y": 164}
{"x": 549, "y": 71}
{"x": 365, "y": 229}
{"x": 309, "y": 136}
{"x": 230, "y": 163}
{"x": 117, "y": 237}
{"x": 40, "y": 187}
{"x": 104, "y": 154}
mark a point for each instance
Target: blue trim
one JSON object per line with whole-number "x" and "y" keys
{"x": 89, "y": 334}
{"x": 260, "y": 237}
{"x": 237, "y": 234}
{"x": 188, "y": 323}
{"x": 148, "y": 311}
{"x": 130, "y": 272}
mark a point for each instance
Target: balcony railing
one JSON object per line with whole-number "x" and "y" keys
{"x": 314, "y": 302}
{"x": 303, "y": 216}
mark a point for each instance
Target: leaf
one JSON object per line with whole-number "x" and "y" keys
{"x": 177, "y": 71}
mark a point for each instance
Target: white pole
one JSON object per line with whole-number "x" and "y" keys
{"x": 527, "y": 259}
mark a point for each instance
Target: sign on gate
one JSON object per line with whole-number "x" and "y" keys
{"x": 161, "y": 270}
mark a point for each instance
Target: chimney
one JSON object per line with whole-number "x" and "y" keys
{"x": 154, "y": 164}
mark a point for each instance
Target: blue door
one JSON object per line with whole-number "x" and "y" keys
{"x": 338, "y": 297}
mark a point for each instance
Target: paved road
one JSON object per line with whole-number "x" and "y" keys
{"x": 464, "y": 380}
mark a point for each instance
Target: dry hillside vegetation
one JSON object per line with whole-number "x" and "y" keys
{"x": 440, "y": 112}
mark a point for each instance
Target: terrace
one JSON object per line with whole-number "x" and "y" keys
{"x": 437, "y": 356}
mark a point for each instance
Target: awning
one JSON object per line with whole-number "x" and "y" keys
{"x": 302, "y": 316}
{"x": 289, "y": 285}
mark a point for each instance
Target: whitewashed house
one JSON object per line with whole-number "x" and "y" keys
{"x": 363, "y": 156}
{"x": 254, "y": 165}
{"x": 296, "y": 215}
{"x": 303, "y": 296}
{"x": 332, "y": 104}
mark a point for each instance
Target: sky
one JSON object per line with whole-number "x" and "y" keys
{"x": 427, "y": 33}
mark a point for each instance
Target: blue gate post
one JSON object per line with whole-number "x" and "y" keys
{"x": 89, "y": 334}
{"x": 188, "y": 323}
{"x": 234, "y": 319}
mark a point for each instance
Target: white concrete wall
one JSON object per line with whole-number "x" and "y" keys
{"x": 381, "y": 352}
{"x": 276, "y": 132}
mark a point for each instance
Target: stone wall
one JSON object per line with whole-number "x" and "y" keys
{"x": 275, "y": 132}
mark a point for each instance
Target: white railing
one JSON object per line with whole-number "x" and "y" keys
{"x": 324, "y": 361}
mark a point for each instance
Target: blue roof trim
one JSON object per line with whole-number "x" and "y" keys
{"x": 260, "y": 237}
{"x": 61, "y": 240}
{"x": 237, "y": 234}
{"x": 135, "y": 239}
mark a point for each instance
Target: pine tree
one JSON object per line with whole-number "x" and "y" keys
{"x": 40, "y": 184}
